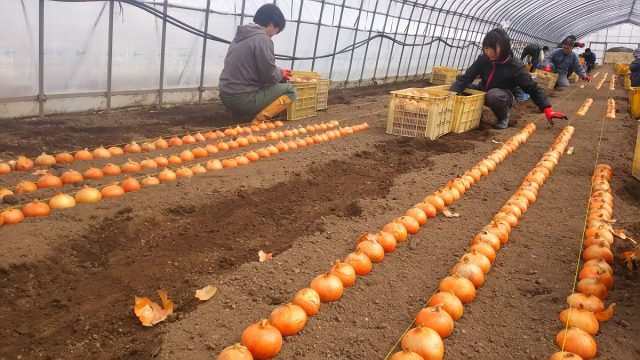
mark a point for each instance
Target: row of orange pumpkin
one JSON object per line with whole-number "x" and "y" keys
{"x": 89, "y": 195}
{"x": 586, "y": 306}
{"x": 48, "y": 180}
{"x": 263, "y": 340}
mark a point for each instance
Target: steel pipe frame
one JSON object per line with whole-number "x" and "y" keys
{"x": 384, "y": 27}
{"x": 413, "y": 47}
{"x": 424, "y": 38}
{"x": 41, "y": 97}
{"x": 315, "y": 47}
{"x": 110, "y": 56}
{"x": 393, "y": 44}
{"x": 435, "y": 26}
{"x": 335, "y": 45}
{"x": 355, "y": 37}
{"x": 455, "y": 28}
{"x": 162, "y": 52}
{"x": 366, "y": 50}
{"x": 406, "y": 34}
{"x": 458, "y": 27}
{"x": 204, "y": 52}
{"x": 295, "y": 41}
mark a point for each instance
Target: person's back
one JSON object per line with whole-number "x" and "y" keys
{"x": 634, "y": 67}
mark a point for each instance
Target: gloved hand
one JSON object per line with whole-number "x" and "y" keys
{"x": 552, "y": 114}
{"x": 547, "y": 68}
{"x": 586, "y": 78}
{"x": 286, "y": 73}
{"x": 580, "y": 44}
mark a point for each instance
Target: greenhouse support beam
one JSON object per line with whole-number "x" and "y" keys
{"x": 110, "y": 56}
{"x": 355, "y": 37}
{"x": 315, "y": 47}
{"x": 384, "y": 27}
{"x": 295, "y": 41}
{"x": 413, "y": 47}
{"x": 366, "y": 49}
{"x": 244, "y": 4}
{"x": 335, "y": 44}
{"x": 424, "y": 38}
{"x": 386, "y": 74}
{"x": 41, "y": 59}
{"x": 162, "y": 52}
{"x": 204, "y": 52}
{"x": 435, "y": 26}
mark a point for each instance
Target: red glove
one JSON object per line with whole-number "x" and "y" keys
{"x": 286, "y": 74}
{"x": 551, "y": 115}
{"x": 547, "y": 68}
{"x": 586, "y": 78}
{"x": 580, "y": 44}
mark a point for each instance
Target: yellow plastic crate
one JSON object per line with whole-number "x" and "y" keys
{"x": 546, "y": 80}
{"x": 626, "y": 81}
{"x": 634, "y": 101}
{"x": 467, "y": 109}
{"x": 305, "y": 74}
{"x": 636, "y": 158}
{"x": 573, "y": 78}
{"x": 420, "y": 112}
{"x": 622, "y": 69}
{"x": 527, "y": 67}
{"x": 306, "y": 103}
{"x": 323, "y": 94}
{"x": 441, "y": 75}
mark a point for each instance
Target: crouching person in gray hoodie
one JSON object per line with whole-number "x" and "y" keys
{"x": 250, "y": 83}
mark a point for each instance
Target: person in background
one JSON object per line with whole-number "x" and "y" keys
{"x": 534, "y": 54}
{"x": 500, "y": 73}
{"x": 634, "y": 67}
{"x": 250, "y": 82}
{"x": 562, "y": 61}
{"x": 589, "y": 59}
{"x": 576, "y": 43}
{"x": 545, "y": 51}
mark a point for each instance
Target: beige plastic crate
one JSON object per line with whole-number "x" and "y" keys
{"x": 636, "y": 158}
{"x": 467, "y": 109}
{"x": 441, "y": 75}
{"x": 323, "y": 94}
{"x": 420, "y": 112}
{"x": 546, "y": 80}
{"x": 306, "y": 102}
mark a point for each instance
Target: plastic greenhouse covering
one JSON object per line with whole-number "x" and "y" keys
{"x": 110, "y": 52}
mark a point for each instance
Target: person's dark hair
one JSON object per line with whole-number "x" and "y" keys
{"x": 587, "y": 50}
{"x": 545, "y": 48}
{"x": 269, "y": 14}
{"x": 498, "y": 38}
{"x": 569, "y": 40}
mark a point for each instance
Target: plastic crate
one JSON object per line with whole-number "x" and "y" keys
{"x": 420, "y": 112}
{"x": 441, "y": 75}
{"x": 634, "y": 101}
{"x": 626, "y": 81}
{"x": 546, "y": 80}
{"x": 467, "y": 109}
{"x": 306, "y": 102}
{"x": 323, "y": 94}
{"x": 527, "y": 67}
{"x": 305, "y": 74}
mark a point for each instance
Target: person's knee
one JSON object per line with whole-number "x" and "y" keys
{"x": 291, "y": 92}
{"x": 496, "y": 98}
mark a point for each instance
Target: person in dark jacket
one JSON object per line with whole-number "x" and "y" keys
{"x": 250, "y": 82}
{"x": 535, "y": 54}
{"x": 563, "y": 61}
{"x": 634, "y": 67}
{"x": 500, "y": 74}
{"x": 589, "y": 59}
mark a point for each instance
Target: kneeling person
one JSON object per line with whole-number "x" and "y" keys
{"x": 250, "y": 82}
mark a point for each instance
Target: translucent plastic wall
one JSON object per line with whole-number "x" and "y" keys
{"x": 158, "y": 63}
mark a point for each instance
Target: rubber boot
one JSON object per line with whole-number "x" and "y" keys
{"x": 501, "y": 123}
{"x": 273, "y": 109}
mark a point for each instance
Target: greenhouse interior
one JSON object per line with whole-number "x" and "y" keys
{"x": 319, "y": 179}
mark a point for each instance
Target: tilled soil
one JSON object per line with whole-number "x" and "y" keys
{"x": 68, "y": 280}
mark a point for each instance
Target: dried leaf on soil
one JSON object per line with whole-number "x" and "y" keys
{"x": 606, "y": 314}
{"x": 149, "y": 312}
{"x": 449, "y": 214}
{"x": 570, "y": 150}
{"x": 620, "y": 233}
{"x": 628, "y": 257}
{"x": 40, "y": 172}
{"x": 206, "y": 292}
{"x": 497, "y": 142}
{"x": 263, "y": 256}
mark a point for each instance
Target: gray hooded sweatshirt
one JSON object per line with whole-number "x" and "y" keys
{"x": 250, "y": 64}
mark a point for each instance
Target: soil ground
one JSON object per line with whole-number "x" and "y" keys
{"x": 68, "y": 281}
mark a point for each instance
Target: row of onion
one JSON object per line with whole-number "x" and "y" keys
{"x": 49, "y": 181}
{"x": 602, "y": 81}
{"x": 436, "y": 321}
{"x": 89, "y": 194}
{"x": 26, "y": 164}
{"x": 586, "y": 305}
{"x": 263, "y": 339}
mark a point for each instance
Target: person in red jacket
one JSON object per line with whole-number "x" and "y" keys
{"x": 500, "y": 75}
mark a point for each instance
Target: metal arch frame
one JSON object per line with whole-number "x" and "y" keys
{"x": 406, "y": 35}
{"x": 413, "y": 47}
{"x": 366, "y": 50}
{"x": 605, "y": 20}
{"x": 335, "y": 45}
{"x": 448, "y": 28}
{"x": 455, "y": 29}
{"x": 592, "y": 31}
{"x": 295, "y": 41}
{"x": 561, "y": 32}
{"x": 384, "y": 26}
{"x": 393, "y": 44}
{"x": 424, "y": 38}
{"x": 516, "y": 11}
{"x": 481, "y": 27}
{"x": 461, "y": 51}
{"x": 435, "y": 26}
{"x": 355, "y": 37}
{"x": 315, "y": 47}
